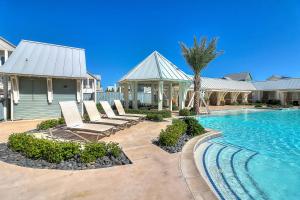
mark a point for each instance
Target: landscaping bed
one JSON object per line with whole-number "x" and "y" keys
{"x": 24, "y": 150}
{"x": 174, "y": 137}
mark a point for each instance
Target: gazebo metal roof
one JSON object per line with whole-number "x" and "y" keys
{"x": 154, "y": 68}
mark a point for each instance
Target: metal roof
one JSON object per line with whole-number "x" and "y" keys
{"x": 42, "y": 59}
{"x": 155, "y": 67}
{"x": 281, "y": 84}
{"x": 6, "y": 45}
{"x": 216, "y": 84}
{"x": 243, "y": 76}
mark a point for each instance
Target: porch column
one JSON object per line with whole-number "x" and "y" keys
{"x": 5, "y": 55}
{"x": 95, "y": 90}
{"x": 282, "y": 97}
{"x": 170, "y": 97}
{"x": 245, "y": 97}
{"x": 182, "y": 95}
{"x": 160, "y": 94}
{"x": 134, "y": 97}
{"x": 5, "y": 90}
{"x": 220, "y": 97}
{"x": 152, "y": 93}
{"x": 234, "y": 96}
{"x": 126, "y": 96}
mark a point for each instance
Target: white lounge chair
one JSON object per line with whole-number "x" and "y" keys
{"x": 74, "y": 122}
{"x": 121, "y": 110}
{"x": 95, "y": 116}
{"x": 110, "y": 113}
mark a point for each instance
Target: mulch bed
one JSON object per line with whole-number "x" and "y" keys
{"x": 176, "y": 148}
{"x": 9, "y": 156}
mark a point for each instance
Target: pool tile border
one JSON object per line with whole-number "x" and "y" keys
{"x": 195, "y": 181}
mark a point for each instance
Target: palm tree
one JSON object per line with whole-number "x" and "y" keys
{"x": 198, "y": 58}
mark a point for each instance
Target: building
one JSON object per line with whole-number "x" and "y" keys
{"x": 41, "y": 75}
{"x": 157, "y": 73}
{"x": 91, "y": 85}
{"x": 6, "y": 49}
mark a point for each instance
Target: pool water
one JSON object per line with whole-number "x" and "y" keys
{"x": 257, "y": 156}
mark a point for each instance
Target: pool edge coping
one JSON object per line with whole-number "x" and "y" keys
{"x": 197, "y": 182}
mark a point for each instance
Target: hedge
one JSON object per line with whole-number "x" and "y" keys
{"x": 44, "y": 125}
{"x": 186, "y": 112}
{"x": 57, "y": 151}
{"x": 154, "y": 117}
{"x": 193, "y": 126}
{"x": 171, "y": 135}
{"x": 163, "y": 113}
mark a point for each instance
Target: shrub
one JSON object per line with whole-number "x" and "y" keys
{"x": 171, "y": 135}
{"x": 258, "y": 106}
{"x": 92, "y": 151}
{"x": 174, "y": 107}
{"x": 51, "y": 151}
{"x": 193, "y": 127}
{"x": 113, "y": 149}
{"x": 184, "y": 112}
{"x": 56, "y": 151}
{"x": 51, "y": 123}
{"x": 154, "y": 117}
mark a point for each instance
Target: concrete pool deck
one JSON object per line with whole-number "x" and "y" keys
{"x": 154, "y": 174}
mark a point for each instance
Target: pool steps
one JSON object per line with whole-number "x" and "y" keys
{"x": 220, "y": 162}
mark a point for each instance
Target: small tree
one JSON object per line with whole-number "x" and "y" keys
{"x": 198, "y": 58}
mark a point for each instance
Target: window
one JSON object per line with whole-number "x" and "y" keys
{"x": 2, "y": 60}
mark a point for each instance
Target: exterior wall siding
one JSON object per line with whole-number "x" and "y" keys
{"x": 33, "y": 103}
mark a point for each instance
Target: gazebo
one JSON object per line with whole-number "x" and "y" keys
{"x": 165, "y": 79}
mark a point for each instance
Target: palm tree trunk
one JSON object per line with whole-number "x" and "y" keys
{"x": 197, "y": 93}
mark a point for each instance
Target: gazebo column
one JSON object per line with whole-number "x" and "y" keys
{"x": 160, "y": 94}
{"x": 134, "y": 95}
{"x": 170, "y": 97}
{"x": 234, "y": 96}
{"x": 182, "y": 95}
{"x": 152, "y": 93}
{"x": 126, "y": 96}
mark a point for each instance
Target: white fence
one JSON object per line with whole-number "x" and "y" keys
{"x": 143, "y": 98}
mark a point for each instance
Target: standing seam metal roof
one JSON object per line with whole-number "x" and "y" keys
{"x": 43, "y": 59}
{"x": 156, "y": 67}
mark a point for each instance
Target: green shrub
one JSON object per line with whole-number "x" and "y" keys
{"x": 113, "y": 149}
{"x": 44, "y": 125}
{"x": 193, "y": 127}
{"x": 56, "y": 151}
{"x": 51, "y": 123}
{"x": 92, "y": 151}
{"x": 174, "y": 107}
{"x": 184, "y": 112}
{"x": 258, "y": 106}
{"x": 171, "y": 135}
{"x": 154, "y": 117}
{"x": 49, "y": 150}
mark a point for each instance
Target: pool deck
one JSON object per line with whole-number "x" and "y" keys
{"x": 154, "y": 174}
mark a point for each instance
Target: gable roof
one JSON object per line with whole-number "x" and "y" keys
{"x": 243, "y": 76}
{"x": 6, "y": 45}
{"x": 281, "y": 84}
{"x": 155, "y": 67}
{"x": 43, "y": 59}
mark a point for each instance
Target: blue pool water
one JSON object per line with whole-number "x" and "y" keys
{"x": 257, "y": 156}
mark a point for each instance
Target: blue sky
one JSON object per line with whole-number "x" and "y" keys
{"x": 259, "y": 36}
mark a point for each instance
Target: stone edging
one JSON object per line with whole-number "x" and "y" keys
{"x": 194, "y": 179}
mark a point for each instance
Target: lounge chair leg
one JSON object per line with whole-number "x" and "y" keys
{"x": 78, "y": 135}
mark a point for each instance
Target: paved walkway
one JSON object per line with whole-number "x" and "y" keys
{"x": 154, "y": 173}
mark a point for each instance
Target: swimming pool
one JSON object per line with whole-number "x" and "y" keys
{"x": 257, "y": 156}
